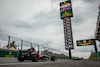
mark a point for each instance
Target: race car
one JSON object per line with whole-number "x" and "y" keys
{"x": 31, "y": 54}
{"x": 76, "y": 58}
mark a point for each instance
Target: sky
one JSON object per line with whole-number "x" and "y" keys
{"x": 38, "y": 21}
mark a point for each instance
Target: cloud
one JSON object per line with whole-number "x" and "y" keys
{"x": 45, "y": 29}
{"x": 22, "y": 24}
{"x": 83, "y": 11}
{"x": 91, "y": 1}
{"x": 1, "y": 30}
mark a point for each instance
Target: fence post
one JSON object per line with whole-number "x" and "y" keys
{"x": 55, "y": 51}
{"x": 21, "y": 44}
{"x": 52, "y": 50}
{"x": 8, "y": 42}
{"x": 38, "y": 48}
{"x": 44, "y": 48}
{"x": 48, "y": 49}
{"x": 31, "y": 44}
{"x": 58, "y": 51}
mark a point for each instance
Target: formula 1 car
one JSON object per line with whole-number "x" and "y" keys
{"x": 76, "y": 58}
{"x": 31, "y": 54}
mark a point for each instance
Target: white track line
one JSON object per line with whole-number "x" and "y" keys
{"x": 35, "y": 63}
{"x": 14, "y": 63}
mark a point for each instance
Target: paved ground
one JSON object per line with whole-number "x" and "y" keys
{"x": 13, "y": 62}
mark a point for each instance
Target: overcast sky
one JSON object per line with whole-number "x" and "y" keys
{"x": 39, "y": 21}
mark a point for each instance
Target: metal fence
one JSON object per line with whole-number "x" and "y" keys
{"x": 21, "y": 44}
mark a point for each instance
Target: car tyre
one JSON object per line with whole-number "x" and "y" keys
{"x": 35, "y": 59}
{"x": 20, "y": 59}
{"x": 53, "y": 58}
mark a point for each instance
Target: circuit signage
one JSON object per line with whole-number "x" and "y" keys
{"x": 66, "y": 9}
{"x": 9, "y": 55}
{"x": 68, "y": 34}
{"x": 86, "y": 42}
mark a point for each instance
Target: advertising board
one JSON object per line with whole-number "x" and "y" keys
{"x": 66, "y": 9}
{"x": 8, "y": 53}
{"x": 86, "y": 42}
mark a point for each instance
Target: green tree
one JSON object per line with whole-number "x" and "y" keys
{"x": 12, "y": 44}
{"x": 46, "y": 50}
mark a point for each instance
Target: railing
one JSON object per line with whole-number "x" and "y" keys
{"x": 20, "y": 44}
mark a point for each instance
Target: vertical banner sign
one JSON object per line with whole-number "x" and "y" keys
{"x": 68, "y": 33}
